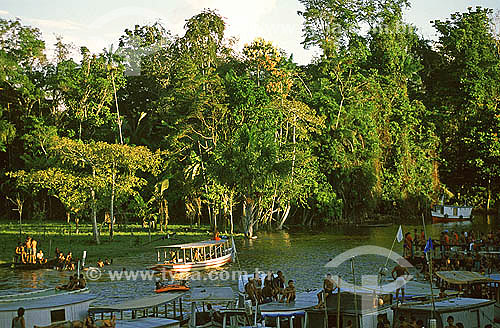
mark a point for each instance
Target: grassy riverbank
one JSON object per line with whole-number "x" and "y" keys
{"x": 129, "y": 241}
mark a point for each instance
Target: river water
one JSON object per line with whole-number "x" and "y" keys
{"x": 301, "y": 256}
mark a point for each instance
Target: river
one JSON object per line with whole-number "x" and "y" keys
{"x": 301, "y": 256}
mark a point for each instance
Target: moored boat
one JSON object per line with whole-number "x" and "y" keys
{"x": 194, "y": 256}
{"x": 43, "y": 308}
{"x": 450, "y": 213}
{"x": 40, "y": 294}
{"x": 470, "y": 312}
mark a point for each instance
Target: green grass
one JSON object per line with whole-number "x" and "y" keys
{"x": 128, "y": 241}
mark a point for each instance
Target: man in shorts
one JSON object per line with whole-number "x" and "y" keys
{"x": 400, "y": 273}
{"x": 328, "y": 287}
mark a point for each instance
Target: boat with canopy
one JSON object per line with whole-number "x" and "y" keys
{"x": 194, "y": 256}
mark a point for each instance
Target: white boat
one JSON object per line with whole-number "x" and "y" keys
{"x": 194, "y": 256}
{"x": 43, "y": 308}
{"x": 40, "y": 293}
{"x": 450, "y": 213}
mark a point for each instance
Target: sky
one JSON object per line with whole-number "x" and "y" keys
{"x": 98, "y": 24}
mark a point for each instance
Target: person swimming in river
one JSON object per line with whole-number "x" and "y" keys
{"x": 100, "y": 263}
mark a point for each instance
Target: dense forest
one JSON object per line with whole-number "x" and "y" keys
{"x": 168, "y": 128}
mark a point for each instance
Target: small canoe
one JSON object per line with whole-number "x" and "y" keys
{"x": 172, "y": 288}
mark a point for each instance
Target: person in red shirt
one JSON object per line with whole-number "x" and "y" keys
{"x": 216, "y": 235}
{"x": 409, "y": 244}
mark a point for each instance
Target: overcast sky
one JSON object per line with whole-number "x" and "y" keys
{"x": 98, "y": 24}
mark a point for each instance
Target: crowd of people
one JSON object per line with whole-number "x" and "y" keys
{"x": 465, "y": 250}
{"x": 271, "y": 289}
{"x": 27, "y": 252}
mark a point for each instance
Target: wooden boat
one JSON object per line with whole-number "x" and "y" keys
{"x": 473, "y": 285}
{"x": 194, "y": 256}
{"x": 449, "y": 213}
{"x": 172, "y": 288}
{"x": 43, "y": 308}
{"x": 470, "y": 312}
{"x": 31, "y": 266}
{"x": 40, "y": 294}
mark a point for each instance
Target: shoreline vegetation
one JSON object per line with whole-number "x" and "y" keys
{"x": 166, "y": 129}
{"x": 136, "y": 240}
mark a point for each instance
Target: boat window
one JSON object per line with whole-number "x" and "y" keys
{"x": 441, "y": 209}
{"x": 57, "y": 315}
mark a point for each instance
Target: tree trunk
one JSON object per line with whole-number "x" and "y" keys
{"x": 94, "y": 213}
{"x": 489, "y": 196}
{"x": 117, "y": 111}
{"x": 284, "y": 216}
{"x": 112, "y": 217}
{"x": 165, "y": 213}
{"x": 248, "y": 218}
{"x": 231, "y": 222}
{"x": 77, "y": 221}
{"x": 68, "y": 217}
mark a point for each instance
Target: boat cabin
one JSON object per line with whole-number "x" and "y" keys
{"x": 194, "y": 256}
{"x": 44, "y": 311}
{"x": 471, "y": 312}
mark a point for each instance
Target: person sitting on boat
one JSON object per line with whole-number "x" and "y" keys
{"x": 349, "y": 324}
{"x": 258, "y": 285}
{"x": 67, "y": 261}
{"x": 288, "y": 293}
{"x": 328, "y": 287}
{"x": 279, "y": 283}
{"x": 196, "y": 255}
{"x": 380, "y": 321}
{"x": 19, "y": 252}
{"x": 100, "y": 263}
{"x": 173, "y": 257}
{"x": 267, "y": 293}
{"x": 18, "y": 322}
{"x": 82, "y": 283}
{"x": 402, "y": 323}
{"x": 69, "y": 286}
{"x": 39, "y": 257}
{"x": 450, "y": 322}
{"x": 400, "y": 273}
{"x": 251, "y": 291}
{"x": 216, "y": 235}
{"x": 268, "y": 281}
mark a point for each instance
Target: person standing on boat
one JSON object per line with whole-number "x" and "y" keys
{"x": 28, "y": 249}
{"x": 450, "y": 322}
{"x": 400, "y": 273}
{"x": 33, "y": 250}
{"x": 18, "y": 322}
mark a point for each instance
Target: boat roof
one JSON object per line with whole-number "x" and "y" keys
{"x": 39, "y": 294}
{"x": 139, "y": 303}
{"x": 147, "y": 323}
{"x": 462, "y": 277}
{"x": 447, "y": 305}
{"x": 47, "y": 302}
{"x": 199, "y": 244}
{"x": 212, "y": 294}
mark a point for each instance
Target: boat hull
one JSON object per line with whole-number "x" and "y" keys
{"x": 199, "y": 266}
{"x": 440, "y": 219}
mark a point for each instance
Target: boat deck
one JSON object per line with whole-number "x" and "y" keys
{"x": 139, "y": 303}
{"x": 147, "y": 323}
{"x": 302, "y": 302}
